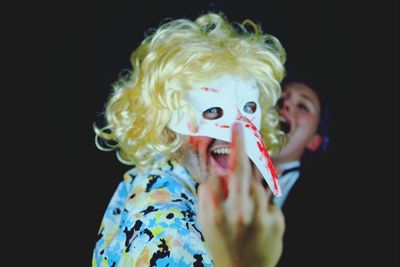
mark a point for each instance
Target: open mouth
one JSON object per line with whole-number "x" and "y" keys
{"x": 220, "y": 154}
{"x": 284, "y": 125}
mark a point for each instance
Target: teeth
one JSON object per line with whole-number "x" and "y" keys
{"x": 221, "y": 150}
{"x": 282, "y": 119}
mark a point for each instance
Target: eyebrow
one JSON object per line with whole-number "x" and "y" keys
{"x": 307, "y": 98}
{"x": 316, "y": 105}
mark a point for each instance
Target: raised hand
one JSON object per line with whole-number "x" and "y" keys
{"x": 241, "y": 227}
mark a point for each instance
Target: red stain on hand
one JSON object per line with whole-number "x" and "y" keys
{"x": 224, "y": 186}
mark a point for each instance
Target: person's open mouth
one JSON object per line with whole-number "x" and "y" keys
{"x": 219, "y": 152}
{"x": 284, "y": 125}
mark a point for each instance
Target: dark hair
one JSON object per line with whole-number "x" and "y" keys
{"x": 323, "y": 129}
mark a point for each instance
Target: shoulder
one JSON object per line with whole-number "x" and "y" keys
{"x": 167, "y": 181}
{"x": 157, "y": 222}
{"x": 156, "y": 230}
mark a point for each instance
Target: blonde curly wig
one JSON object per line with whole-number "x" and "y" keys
{"x": 170, "y": 61}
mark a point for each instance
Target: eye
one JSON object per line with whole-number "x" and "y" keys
{"x": 250, "y": 107}
{"x": 213, "y": 113}
{"x": 303, "y": 107}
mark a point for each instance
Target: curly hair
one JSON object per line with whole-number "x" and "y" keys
{"x": 169, "y": 62}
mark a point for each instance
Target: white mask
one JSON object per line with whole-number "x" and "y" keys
{"x": 230, "y": 94}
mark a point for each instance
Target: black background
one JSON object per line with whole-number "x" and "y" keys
{"x": 70, "y": 54}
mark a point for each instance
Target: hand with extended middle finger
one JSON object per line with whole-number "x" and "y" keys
{"x": 243, "y": 229}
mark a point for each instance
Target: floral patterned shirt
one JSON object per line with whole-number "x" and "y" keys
{"x": 151, "y": 220}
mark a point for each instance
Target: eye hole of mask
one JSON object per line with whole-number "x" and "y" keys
{"x": 250, "y": 107}
{"x": 213, "y": 113}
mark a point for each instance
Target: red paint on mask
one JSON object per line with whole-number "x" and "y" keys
{"x": 211, "y": 90}
{"x": 261, "y": 147}
{"x": 224, "y": 126}
{"x": 257, "y": 135}
{"x": 270, "y": 166}
{"x": 191, "y": 128}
